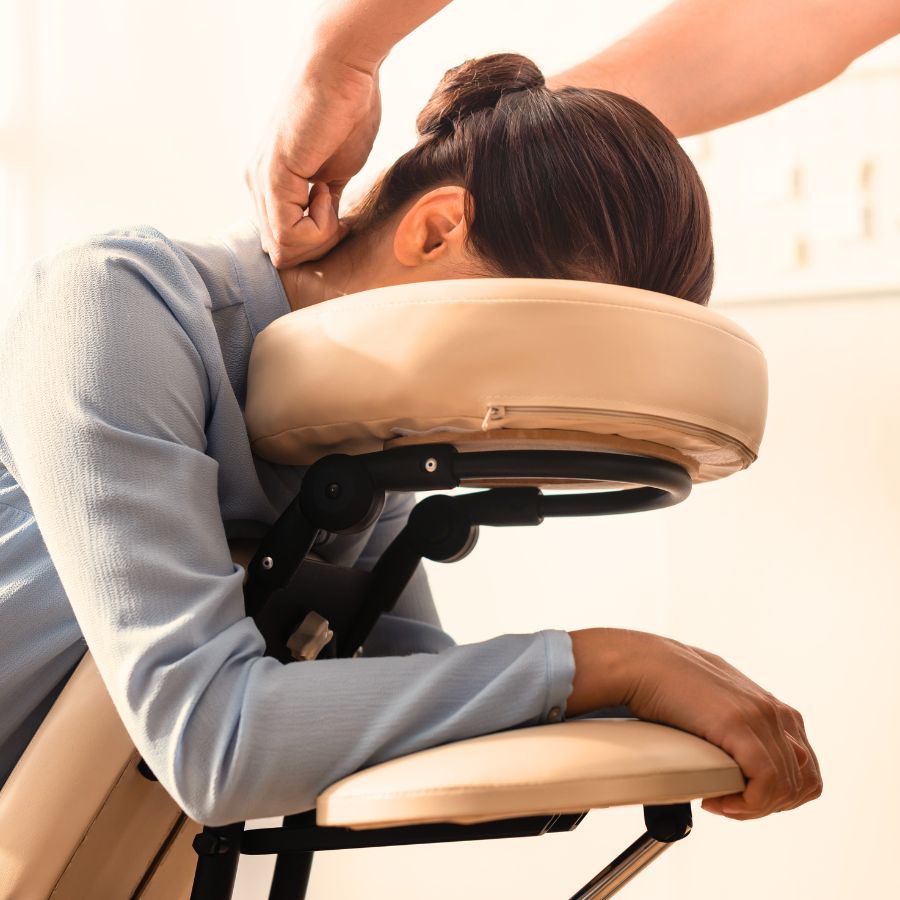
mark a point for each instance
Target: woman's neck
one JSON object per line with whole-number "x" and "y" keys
{"x": 342, "y": 271}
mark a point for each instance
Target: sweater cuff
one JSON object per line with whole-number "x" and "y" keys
{"x": 560, "y": 674}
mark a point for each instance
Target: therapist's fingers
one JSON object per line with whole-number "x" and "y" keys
{"x": 337, "y": 189}
{"x": 318, "y": 231}
{"x": 323, "y": 131}
{"x": 296, "y": 224}
{"x": 293, "y": 227}
{"x": 262, "y": 216}
{"x": 287, "y": 198}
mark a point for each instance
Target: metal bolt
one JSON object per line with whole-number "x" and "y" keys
{"x": 431, "y": 464}
{"x": 268, "y": 562}
{"x": 333, "y": 491}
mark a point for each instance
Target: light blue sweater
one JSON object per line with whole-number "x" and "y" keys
{"x": 124, "y": 468}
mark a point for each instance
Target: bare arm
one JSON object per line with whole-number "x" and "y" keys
{"x": 362, "y": 32}
{"x": 325, "y": 124}
{"x": 702, "y": 64}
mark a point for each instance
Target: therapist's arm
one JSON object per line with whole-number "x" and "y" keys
{"x": 325, "y": 124}
{"x": 363, "y": 32}
{"x": 702, "y": 64}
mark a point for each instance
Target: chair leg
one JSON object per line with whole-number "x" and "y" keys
{"x": 622, "y": 869}
{"x": 291, "y": 877}
{"x": 218, "y": 851}
{"x": 665, "y": 826}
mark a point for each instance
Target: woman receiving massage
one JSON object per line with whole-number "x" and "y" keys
{"x": 125, "y": 468}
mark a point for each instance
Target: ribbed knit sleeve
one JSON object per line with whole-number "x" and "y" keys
{"x": 103, "y": 403}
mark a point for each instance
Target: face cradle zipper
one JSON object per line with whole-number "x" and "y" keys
{"x": 493, "y": 414}
{"x": 496, "y": 413}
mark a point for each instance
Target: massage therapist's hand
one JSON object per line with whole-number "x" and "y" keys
{"x": 665, "y": 681}
{"x": 322, "y": 135}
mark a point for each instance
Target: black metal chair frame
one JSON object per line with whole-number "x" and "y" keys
{"x": 343, "y": 494}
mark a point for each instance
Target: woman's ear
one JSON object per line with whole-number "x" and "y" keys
{"x": 434, "y": 228}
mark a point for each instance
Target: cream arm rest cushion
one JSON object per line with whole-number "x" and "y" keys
{"x": 568, "y": 767}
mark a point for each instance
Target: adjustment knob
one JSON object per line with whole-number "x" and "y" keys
{"x": 339, "y": 495}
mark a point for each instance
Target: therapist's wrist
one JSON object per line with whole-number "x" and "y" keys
{"x": 337, "y": 44}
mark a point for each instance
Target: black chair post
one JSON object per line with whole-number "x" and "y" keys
{"x": 218, "y": 851}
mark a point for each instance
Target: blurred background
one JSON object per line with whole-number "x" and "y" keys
{"x": 115, "y": 114}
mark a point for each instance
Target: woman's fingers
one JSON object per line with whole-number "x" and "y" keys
{"x": 811, "y": 774}
{"x": 782, "y": 728}
{"x": 776, "y": 759}
{"x": 762, "y": 758}
{"x": 803, "y": 755}
{"x": 763, "y": 735}
{"x": 666, "y": 681}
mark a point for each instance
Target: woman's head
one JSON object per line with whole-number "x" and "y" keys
{"x": 573, "y": 183}
{"x": 511, "y": 179}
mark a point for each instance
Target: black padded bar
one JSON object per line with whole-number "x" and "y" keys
{"x": 656, "y": 483}
{"x": 574, "y": 465}
{"x": 607, "y": 503}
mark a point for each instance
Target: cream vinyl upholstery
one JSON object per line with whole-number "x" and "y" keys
{"x": 482, "y": 364}
{"x": 78, "y": 820}
{"x": 503, "y": 363}
{"x": 568, "y": 767}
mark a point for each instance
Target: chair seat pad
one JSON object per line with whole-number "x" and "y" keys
{"x": 538, "y": 359}
{"x": 567, "y": 767}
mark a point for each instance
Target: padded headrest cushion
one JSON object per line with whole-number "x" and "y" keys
{"x": 491, "y": 362}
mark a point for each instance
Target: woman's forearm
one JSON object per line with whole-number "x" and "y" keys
{"x": 702, "y": 64}
{"x": 362, "y": 32}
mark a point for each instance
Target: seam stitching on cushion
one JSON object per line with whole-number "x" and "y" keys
{"x": 94, "y": 818}
{"x": 368, "y": 422}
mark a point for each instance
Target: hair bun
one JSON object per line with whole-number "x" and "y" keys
{"x": 475, "y": 85}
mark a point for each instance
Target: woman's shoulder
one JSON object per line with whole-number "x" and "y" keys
{"x": 138, "y": 248}
{"x": 107, "y": 291}
{"x": 107, "y": 268}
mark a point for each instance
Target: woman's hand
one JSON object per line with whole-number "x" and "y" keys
{"x": 322, "y": 134}
{"x": 665, "y": 681}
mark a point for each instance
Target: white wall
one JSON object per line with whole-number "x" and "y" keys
{"x": 114, "y": 113}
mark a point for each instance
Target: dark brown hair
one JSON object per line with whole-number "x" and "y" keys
{"x": 573, "y": 183}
